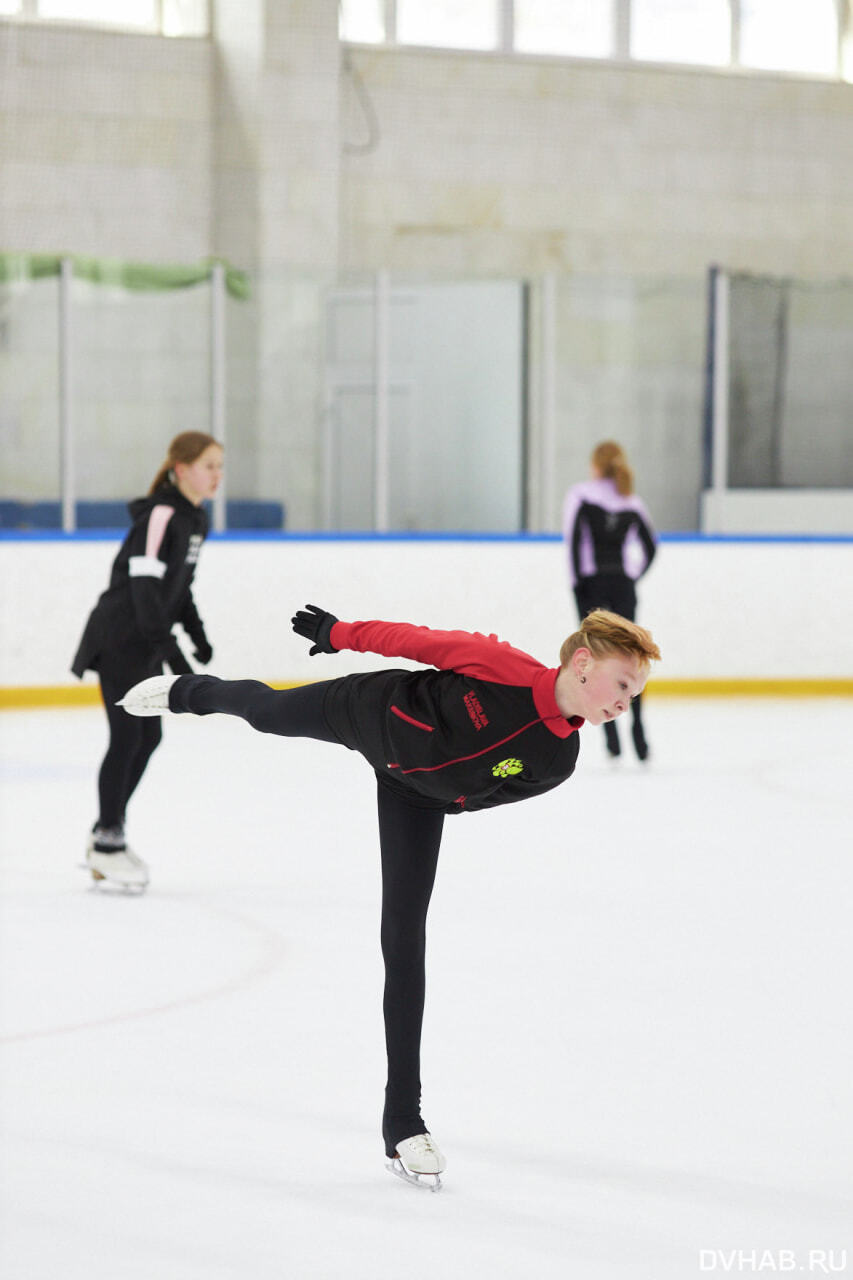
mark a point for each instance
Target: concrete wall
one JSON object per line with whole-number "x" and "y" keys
{"x": 107, "y": 144}
{"x": 625, "y": 180}
{"x": 128, "y": 146}
{"x": 522, "y": 165}
{"x": 719, "y": 610}
{"x": 133, "y": 146}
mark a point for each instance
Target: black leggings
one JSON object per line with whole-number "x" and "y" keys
{"x": 614, "y": 591}
{"x": 409, "y": 839}
{"x": 132, "y": 740}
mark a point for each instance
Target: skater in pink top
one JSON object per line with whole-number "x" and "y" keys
{"x": 610, "y": 543}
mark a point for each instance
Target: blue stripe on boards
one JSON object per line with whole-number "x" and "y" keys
{"x": 266, "y": 535}
{"x": 56, "y": 535}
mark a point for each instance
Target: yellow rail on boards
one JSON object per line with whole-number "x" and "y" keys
{"x": 89, "y": 695}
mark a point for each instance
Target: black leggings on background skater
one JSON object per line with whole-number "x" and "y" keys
{"x": 132, "y": 742}
{"x": 409, "y": 835}
{"x": 614, "y": 591}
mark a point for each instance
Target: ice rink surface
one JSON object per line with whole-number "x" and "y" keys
{"x": 638, "y": 1049}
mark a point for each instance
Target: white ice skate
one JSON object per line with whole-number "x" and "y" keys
{"x": 121, "y": 867}
{"x": 419, "y": 1162}
{"x": 148, "y": 698}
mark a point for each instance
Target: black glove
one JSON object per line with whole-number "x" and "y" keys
{"x": 202, "y": 651}
{"x": 315, "y": 624}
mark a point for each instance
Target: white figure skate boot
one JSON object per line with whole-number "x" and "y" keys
{"x": 148, "y": 698}
{"x": 109, "y": 859}
{"x": 419, "y": 1162}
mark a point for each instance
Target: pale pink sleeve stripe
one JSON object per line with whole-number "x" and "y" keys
{"x": 157, "y": 521}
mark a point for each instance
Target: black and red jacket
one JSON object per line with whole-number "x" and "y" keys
{"x": 482, "y": 730}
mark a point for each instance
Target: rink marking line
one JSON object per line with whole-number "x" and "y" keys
{"x": 13, "y": 697}
{"x": 274, "y": 949}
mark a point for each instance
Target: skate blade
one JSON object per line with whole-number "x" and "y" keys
{"x": 425, "y": 1181}
{"x": 108, "y": 885}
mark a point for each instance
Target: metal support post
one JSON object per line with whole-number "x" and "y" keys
{"x": 67, "y": 489}
{"x": 217, "y": 380}
{"x": 381, "y": 379}
{"x": 720, "y": 386}
{"x": 548, "y": 434}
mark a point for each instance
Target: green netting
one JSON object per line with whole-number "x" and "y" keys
{"x": 139, "y": 347}
{"x": 137, "y": 276}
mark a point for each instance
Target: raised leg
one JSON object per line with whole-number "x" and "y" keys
{"x": 290, "y": 713}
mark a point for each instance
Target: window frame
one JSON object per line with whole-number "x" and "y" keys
{"x": 29, "y": 13}
{"x": 621, "y": 44}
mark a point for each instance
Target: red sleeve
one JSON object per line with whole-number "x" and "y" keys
{"x": 467, "y": 652}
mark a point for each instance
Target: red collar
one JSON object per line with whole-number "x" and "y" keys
{"x": 545, "y": 700}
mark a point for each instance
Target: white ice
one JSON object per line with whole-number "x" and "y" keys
{"x": 638, "y": 1049}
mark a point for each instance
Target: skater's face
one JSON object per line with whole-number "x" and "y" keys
{"x": 199, "y": 480}
{"x": 605, "y": 686}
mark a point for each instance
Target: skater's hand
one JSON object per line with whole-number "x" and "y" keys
{"x": 315, "y": 624}
{"x": 203, "y": 651}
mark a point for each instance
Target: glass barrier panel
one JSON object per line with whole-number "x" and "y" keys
{"x": 29, "y": 403}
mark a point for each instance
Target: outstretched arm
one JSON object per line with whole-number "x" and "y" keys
{"x": 469, "y": 653}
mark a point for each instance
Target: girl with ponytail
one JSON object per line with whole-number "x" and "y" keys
{"x": 129, "y": 636}
{"x": 610, "y": 543}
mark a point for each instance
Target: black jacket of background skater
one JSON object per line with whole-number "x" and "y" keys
{"x": 483, "y": 730}
{"x": 150, "y": 586}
